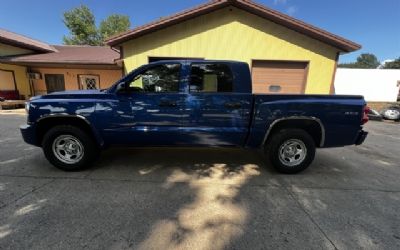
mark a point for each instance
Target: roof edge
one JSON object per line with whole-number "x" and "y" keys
{"x": 294, "y": 23}
{"x": 167, "y": 21}
{"x": 324, "y": 36}
{"x": 23, "y": 45}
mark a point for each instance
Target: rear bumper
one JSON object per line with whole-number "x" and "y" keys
{"x": 362, "y": 135}
{"x": 28, "y": 134}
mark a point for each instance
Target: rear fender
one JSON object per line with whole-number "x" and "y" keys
{"x": 276, "y": 123}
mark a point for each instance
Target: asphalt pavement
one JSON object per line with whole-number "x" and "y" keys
{"x": 176, "y": 198}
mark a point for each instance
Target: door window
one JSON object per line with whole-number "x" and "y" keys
{"x": 160, "y": 78}
{"x": 215, "y": 77}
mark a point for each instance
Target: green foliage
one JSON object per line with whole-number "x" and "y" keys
{"x": 347, "y": 65}
{"x": 81, "y": 23}
{"x": 364, "y": 61}
{"x": 82, "y": 26}
{"x": 112, "y": 25}
{"x": 392, "y": 65}
{"x": 367, "y": 61}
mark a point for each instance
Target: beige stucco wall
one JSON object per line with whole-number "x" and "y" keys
{"x": 21, "y": 78}
{"x": 107, "y": 77}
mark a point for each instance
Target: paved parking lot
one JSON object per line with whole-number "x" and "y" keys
{"x": 201, "y": 198}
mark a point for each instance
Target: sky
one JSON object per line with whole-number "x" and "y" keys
{"x": 375, "y": 24}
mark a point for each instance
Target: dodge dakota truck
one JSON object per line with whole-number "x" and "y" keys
{"x": 191, "y": 103}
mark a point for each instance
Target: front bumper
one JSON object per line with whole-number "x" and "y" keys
{"x": 362, "y": 135}
{"x": 29, "y": 134}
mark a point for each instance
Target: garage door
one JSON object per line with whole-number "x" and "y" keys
{"x": 279, "y": 77}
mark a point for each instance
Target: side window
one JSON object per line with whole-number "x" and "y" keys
{"x": 211, "y": 78}
{"x": 160, "y": 78}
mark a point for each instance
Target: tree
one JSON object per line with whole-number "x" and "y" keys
{"x": 367, "y": 61}
{"x": 392, "y": 65}
{"x": 364, "y": 61}
{"x": 82, "y": 25}
{"x": 112, "y": 25}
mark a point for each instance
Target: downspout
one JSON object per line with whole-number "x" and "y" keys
{"x": 120, "y": 61}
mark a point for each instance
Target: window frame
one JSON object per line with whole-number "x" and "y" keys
{"x": 210, "y": 92}
{"x": 79, "y": 78}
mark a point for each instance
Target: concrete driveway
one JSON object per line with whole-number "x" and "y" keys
{"x": 201, "y": 198}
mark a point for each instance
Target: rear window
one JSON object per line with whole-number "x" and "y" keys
{"x": 212, "y": 77}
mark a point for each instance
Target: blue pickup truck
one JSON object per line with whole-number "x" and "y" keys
{"x": 191, "y": 103}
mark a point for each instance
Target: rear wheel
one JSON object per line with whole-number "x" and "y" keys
{"x": 69, "y": 148}
{"x": 291, "y": 150}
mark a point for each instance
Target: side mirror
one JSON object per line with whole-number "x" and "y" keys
{"x": 121, "y": 87}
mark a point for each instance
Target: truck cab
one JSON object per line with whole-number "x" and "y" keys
{"x": 185, "y": 103}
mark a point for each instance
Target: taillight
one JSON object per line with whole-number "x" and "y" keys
{"x": 365, "y": 118}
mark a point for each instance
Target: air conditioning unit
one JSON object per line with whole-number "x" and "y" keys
{"x": 34, "y": 76}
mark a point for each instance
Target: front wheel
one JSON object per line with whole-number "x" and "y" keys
{"x": 291, "y": 150}
{"x": 69, "y": 148}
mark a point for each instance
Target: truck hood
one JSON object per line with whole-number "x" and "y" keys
{"x": 74, "y": 94}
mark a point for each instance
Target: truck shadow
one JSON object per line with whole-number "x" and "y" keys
{"x": 209, "y": 214}
{"x": 147, "y": 162}
{"x": 234, "y": 191}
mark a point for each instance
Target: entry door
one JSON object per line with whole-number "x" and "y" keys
{"x": 279, "y": 77}
{"x": 214, "y": 114}
{"x": 154, "y": 102}
{"x": 54, "y": 82}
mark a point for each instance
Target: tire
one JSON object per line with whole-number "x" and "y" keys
{"x": 391, "y": 113}
{"x": 293, "y": 140}
{"x": 69, "y": 148}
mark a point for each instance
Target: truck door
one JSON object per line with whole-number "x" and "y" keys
{"x": 214, "y": 114}
{"x": 155, "y": 104}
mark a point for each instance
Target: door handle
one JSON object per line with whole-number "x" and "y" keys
{"x": 233, "y": 105}
{"x": 167, "y": 103}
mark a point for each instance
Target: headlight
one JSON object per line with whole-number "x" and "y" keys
{"x": 27, "y": 104}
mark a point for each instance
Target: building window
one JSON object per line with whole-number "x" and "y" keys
{"x": 213, "y": 77}
{"x": 89, "y": 81}
{"x": 7, "y": 80}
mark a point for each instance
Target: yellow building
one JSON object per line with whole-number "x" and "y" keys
{"x": 284, "y": 53}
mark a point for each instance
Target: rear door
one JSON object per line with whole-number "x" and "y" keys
{"x": 213, "y": 113}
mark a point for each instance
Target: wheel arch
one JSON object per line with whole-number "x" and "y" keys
{"x": 310, "y": 124}
{"x": 45, "y": 123}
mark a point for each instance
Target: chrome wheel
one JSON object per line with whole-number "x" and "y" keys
{"x": 392, "y": 114}
{"x": 68, "y": 149}
{"x": 292, "y": 152}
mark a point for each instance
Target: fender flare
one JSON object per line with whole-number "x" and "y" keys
{"x": 310, "y": 118}
{"x": 97, "y": 136}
